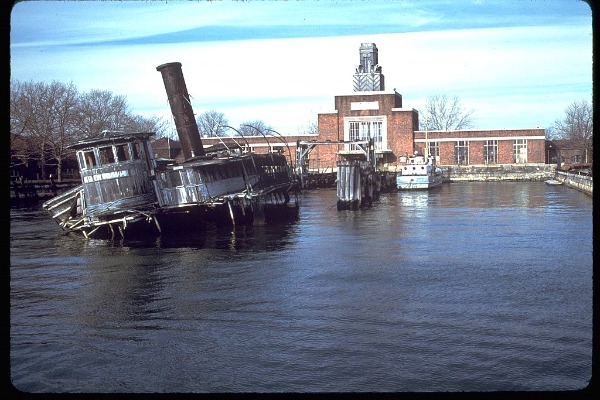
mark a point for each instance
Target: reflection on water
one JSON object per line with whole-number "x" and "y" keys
{"x": 470, "y": 287}
{"x": 269, "y": 237}
{"x": 416, "y": 202}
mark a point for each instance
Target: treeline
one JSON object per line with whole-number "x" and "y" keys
{"x": 214, "y": 123}
{"x": 576, "y": 127}
{"x": 45, "y": 118}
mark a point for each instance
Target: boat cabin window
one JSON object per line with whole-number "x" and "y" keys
{"x": 207, "y": 174}
{"x": 175, "y": 178}
{"x": 106, "y": 155}
{"x": 90, "y": 159}
{"x": 123, "y": 152}
{"x": 137, "y": 150}
{"x": 81, "y": 159}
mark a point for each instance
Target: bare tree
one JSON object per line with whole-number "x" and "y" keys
{"x": 19, "y": 104}
{"x": 41, "y": 115}
{"x": 100, "y": 110}
{"x": 577, "y": 126}
{"x": 137, "y": 123}
{"x": 37, "y": 122}
{"x": 442, "y": 114}
{"x": 254, "y": 128}
{"x": 21, "y": 144}
{"x": 312, "y": 127}
{"x": 62, "y": 107}
{"x": 551, "y": 133}
{"x": 211, "y": 123}
{"x": 46, "y": 118}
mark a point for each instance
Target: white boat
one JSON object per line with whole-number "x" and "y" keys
{"x": 418, "y": 173}
{"x": 552, "y": 182}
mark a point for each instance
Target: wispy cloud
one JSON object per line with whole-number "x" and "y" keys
{"x": 283, "y": 61}
{"x": 127, "y": 22}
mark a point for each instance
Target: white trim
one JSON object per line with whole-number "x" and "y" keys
{"x": 486, "y": 130}
{"x": 376, "y": 118}
{"x": 364, "y": 105}
{"x": 257, "y": 144}
{"x": 480, "y": 139}
{"x": 369, "y": 93}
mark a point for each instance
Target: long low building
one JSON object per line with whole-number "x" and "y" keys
{"x": 372, "y": 113}
{"x": 395, "y": 134}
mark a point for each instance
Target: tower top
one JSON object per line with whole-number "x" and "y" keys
{"x": 368, "y": 76}
{"x": 369, "y": 57}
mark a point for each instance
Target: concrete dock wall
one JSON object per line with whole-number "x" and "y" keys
{"x": 499, "y": 172}
{"x": 582, "y": 183}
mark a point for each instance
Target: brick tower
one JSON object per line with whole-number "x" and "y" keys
{"x": 368, "y": 76}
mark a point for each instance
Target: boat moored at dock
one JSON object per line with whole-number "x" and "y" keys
{"x": 418, "y": 173}
{"x": 552, "y": 182}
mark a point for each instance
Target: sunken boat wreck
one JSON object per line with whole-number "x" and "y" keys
{"x": 125, "y": 191}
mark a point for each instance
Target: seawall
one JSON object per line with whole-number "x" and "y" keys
{"x": 582, "y": 183}
{"x": 497, "y": 172}
{"x": 513, "y": 172}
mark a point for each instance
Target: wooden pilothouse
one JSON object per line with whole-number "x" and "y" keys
{"x": 126, "y": 191}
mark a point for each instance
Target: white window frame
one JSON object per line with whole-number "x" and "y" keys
{"x": 368, "y": 127}
{"x": 458, "y": 145}
{"x": 490, "y": 152}
{"x": 520, "y": 151}
{"x": 434, "y": 150}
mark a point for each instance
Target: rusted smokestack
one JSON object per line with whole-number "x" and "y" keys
{"x": 181, "y": 108}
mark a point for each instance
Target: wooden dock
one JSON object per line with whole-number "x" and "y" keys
{"x": 23, "y": 189}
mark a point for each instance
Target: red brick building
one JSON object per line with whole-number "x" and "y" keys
{"x": 371, "y": 112}
{"x": 394, "y": 130}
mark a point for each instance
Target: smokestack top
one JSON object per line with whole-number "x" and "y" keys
{"x": 178, "y": 64}
{"x": 181, "y": 108}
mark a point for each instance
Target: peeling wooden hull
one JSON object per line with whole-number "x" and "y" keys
{"x": 231, "y": 210}
{"x": 180, "y": 221}
{"x": 64, "y": 207}
{"x": 272, "y": 203}
{"x": 126, "y": 192}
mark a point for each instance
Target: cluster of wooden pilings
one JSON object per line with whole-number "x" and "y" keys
{"x": 320, "y": 180}
{"x": 357, "y": 184}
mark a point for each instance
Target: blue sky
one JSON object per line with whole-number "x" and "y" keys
{"x": 516, "y": 64}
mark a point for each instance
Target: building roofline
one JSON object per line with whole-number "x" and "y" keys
{"x": 405, "y": 109}
{"x": 484, "y": 130}
{"x": 368, "y": 93}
